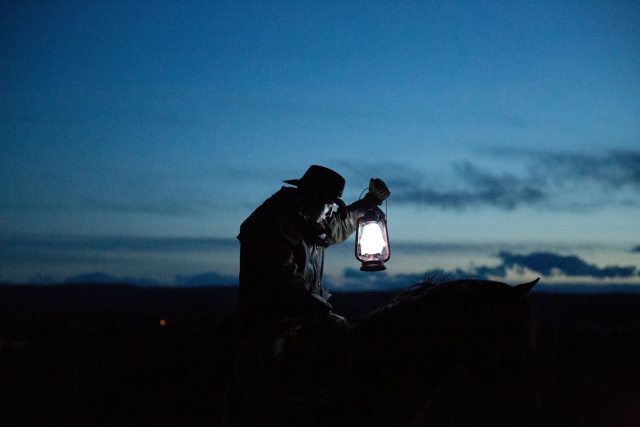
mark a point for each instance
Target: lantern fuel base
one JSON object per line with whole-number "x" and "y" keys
{"x": 372, "y": 241}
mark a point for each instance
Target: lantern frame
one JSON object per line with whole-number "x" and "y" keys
{"x": 373, "y": 262}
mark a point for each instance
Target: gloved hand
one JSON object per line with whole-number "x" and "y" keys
{"x": 338, "y": 320}
{"x": 333, "y": 322}
{"x": 378, "y": 192}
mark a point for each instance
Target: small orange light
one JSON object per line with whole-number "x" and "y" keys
{"x": 162, "y": 322}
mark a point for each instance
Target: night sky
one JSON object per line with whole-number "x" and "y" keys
{"x": 137, "y": 136}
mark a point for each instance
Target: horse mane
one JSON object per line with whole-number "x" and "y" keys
{"x": 431, "y": 283}
{"x": 406, "y": 300}
{"x": 436, "y": 290}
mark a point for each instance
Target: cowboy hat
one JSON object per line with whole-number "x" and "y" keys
{"x": 323, "y": 181}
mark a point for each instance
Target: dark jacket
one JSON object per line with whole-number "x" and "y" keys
{"x": 282, "y": 258}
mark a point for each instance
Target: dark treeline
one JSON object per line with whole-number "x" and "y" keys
{"x": 97, "y": 354}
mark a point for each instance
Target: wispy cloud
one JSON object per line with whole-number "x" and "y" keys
{"x": 206, "y": 279}
{"x": 120, "y": 243}
{"x": 99, "y": 277}
{"x": 550, "y": 264}
{"x": 573, "y": 181}
{"x": 59, "y": 248}
{"x": 614, "y": 169}
{"x": 356, "y": 281}
{"x": 475, "y": 187}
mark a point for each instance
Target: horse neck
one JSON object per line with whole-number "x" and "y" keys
{"x": 406, "y": 355}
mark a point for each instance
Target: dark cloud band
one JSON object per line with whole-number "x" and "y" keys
{"x": 569, "y": 181}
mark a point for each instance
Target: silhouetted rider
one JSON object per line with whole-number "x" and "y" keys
{"x": 282, "y": 248}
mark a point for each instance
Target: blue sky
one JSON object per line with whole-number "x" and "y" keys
{"x": 135, "y": 138}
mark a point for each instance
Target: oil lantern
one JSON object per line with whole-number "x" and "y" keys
{"x": 372, "y": 241}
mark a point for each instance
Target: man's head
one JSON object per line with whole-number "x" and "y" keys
{"x": 314, "y": 208}
{"x": 321, "y": 190}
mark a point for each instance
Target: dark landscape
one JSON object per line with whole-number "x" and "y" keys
{"x": 87, "y": 354}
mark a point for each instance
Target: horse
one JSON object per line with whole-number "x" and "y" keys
{"x": 452, "y": 353}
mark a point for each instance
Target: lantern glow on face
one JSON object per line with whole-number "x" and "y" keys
{"x": 372, "y": 241}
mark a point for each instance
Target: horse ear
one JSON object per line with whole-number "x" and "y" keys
{"x": 522, "y": 291}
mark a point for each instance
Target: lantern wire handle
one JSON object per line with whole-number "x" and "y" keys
{"x": 366, "y": 189}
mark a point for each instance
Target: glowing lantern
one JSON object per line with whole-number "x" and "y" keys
{"x": 372, "y": 241}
